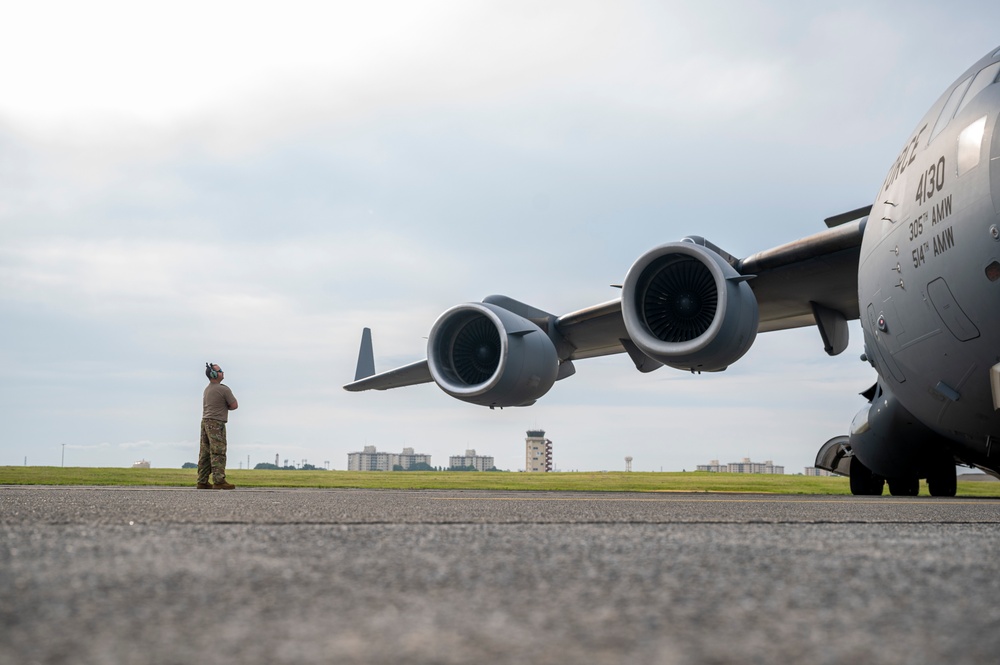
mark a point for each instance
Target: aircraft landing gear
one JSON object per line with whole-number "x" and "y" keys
{"x": 904, "y": 486}
{"x": 863, "y": 481}
{"x": 943, "y": 482}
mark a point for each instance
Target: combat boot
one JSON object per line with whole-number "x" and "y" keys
{"x": 223, "y": 486}
{"x": 204, "y": 486}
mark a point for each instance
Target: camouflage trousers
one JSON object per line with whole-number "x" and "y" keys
{"x": 212, "y": 452}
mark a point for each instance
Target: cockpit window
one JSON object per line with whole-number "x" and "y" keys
{"x": 970, "y": 143}
{"x": 948, "y": 112}
{"x": 964, "y": 93}
{"x": 984, "y": 78}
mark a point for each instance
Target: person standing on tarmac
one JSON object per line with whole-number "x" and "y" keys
{"x": 217, "y": 402}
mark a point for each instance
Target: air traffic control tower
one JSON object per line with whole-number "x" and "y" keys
{"x": 538, "y": 451}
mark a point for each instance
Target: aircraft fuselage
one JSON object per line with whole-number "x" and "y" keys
{"x": 929, "y": 281}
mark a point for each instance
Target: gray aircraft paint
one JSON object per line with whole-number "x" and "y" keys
{"x": 932, "y": 233}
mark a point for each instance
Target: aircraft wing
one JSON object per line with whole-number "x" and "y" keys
{"x": 811, "y": 281}
{"x": 821, "y": 269}
{"x": 408, "y": 375}
{"x": 789, "y": 282}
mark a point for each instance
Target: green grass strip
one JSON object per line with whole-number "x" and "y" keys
{"x": 613, "y": 481}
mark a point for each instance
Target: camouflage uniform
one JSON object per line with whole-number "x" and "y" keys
{"x": 212, "y": 453}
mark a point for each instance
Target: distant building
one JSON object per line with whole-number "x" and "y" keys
{"x": 813, "y": 471}
{"x": 141, "y": 464}
{"x": 538, "y": 451}
{"x": 408, "y": 458}
{"x": 471, "y": 459}
{"x": 370, "y": 459}
{"x": 746, "y": 466}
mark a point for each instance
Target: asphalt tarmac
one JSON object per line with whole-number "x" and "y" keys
{"x": 143, "y": 575}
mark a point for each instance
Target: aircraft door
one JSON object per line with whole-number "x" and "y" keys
{"x": 947, "y": 308}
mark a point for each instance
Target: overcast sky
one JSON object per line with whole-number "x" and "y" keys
{"x": 252, "y": 183}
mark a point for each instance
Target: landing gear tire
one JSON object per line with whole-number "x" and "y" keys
{"x": 863, "y": 481}
{"x": 943, "y": 482}
{"x": 904, "y": 486}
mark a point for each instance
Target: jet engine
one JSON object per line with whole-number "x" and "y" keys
{"x": 685, "y": 306}
{"x": 487, "y": 355}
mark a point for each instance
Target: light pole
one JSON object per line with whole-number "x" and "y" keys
{"x": 64, "y": 455}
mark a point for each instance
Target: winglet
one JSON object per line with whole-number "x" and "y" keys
{"x": 366, "y": 357}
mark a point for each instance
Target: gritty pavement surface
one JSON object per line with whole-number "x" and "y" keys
{"x": 143, "y": 575}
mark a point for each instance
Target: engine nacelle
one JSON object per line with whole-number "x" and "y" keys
{"x": 686, "y": 307}
{"x": 484, "y": 354}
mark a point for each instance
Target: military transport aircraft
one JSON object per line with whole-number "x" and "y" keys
{"x": 920, "y": 267}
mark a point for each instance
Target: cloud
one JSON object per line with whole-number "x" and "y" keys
{"x": 252, "y": 186}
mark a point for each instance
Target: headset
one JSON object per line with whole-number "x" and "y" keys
{"x": 210, "y": 371}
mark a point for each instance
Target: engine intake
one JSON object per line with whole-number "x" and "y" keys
{"x": 487, "y": 355}
{"x": 685, "y": 306}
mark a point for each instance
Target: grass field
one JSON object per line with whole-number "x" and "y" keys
{"x": 582, "y": 482}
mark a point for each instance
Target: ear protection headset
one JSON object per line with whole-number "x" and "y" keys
{"x": 210, "y": 371}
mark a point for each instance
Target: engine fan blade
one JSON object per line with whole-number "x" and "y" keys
{"x": 476, "y": 351}
{"x": 680, "y": 301}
